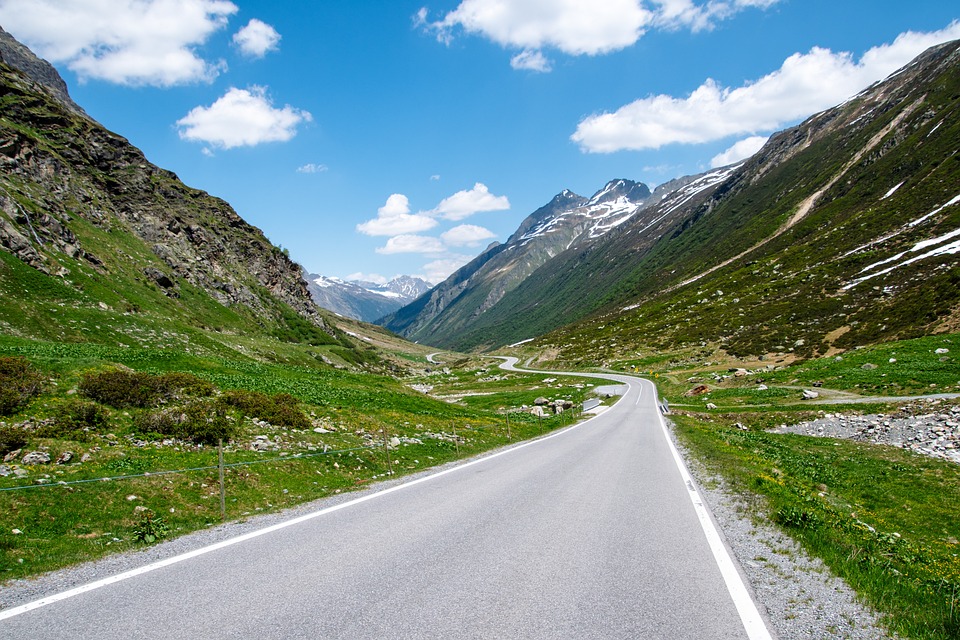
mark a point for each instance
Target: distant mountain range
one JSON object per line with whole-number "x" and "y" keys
{"x": 366, "y": 301}
{"x": 839, "y": 232}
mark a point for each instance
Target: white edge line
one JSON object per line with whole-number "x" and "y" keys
{"x": 126, "y": 575}
{"x": 753, "y": 622}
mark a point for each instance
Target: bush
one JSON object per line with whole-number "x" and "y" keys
{"x": 281, "y": 409}
{"x": 73, "y": 419}
{"x": 11, "y": 439}
{"x": 19, "y": 382}
{"x": 121, "y": 389}
{"x": 202, "y": 422}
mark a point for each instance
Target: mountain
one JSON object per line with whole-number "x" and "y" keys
{"x": 366, "y": 301}
{"x": 567, "y": 221}
{"x": 89, "y": 225}
{"x": 841, "y": 231}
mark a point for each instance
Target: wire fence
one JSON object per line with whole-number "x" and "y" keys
{"x": 153, "y": 474}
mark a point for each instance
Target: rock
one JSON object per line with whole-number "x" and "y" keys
{"x": 710, "y": 405}
{"x": 941, "y": 351}
{"x": 10, "y": 457}
{"x": 65, "y": 457}
{"x": 5, "y": 470}
{"x": 322, "y": 430}
{"x": 762, "y": 387}
{"x": 36, "y": 457}
{"x": 538, "y": 411}
{"x": 86, "y": 457}
{"x": 739, "y": 373}
{"x": 810, "y": 395}
{"x": 541, "y": 401}
{"x": 700, "y": 389}
{"x": 869, "y": 366}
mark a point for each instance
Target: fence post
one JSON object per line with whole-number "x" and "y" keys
{"x": 223, "y": 489}
{"x": 386, "y": 450}
{"x": 456, "y": 442}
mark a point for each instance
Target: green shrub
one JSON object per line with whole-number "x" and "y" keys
{"x": 201, "y": 421}
{"x": 19, "y": 382}
{"x": 11, "y": 439}
{"x": 74, "y": 419}
{"x": 122, "y": 389}
{"x": 150, "y": 527}
{"x": 280, "y": 409}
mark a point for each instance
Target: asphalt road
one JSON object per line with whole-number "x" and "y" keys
{"x": 591, "y": 532}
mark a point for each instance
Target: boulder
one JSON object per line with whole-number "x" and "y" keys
{"x": 36, "y": 457}
{"x": 700, "y": 389}
{"x": 810, "y": 395}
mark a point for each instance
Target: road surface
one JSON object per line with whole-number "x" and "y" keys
{"x": 590, "y": 532}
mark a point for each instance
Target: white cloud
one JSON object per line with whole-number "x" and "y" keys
{"x": 411, "y": 244}
{"x": 375, "y": 278}
{"x": 464, "y": 204}
{"x": 803, "y": 85}
{"x": 739, "y": 151}
{"x": 575, "y": 27}
{"x": 312, "y": 167}
{"x": 132, "y": 42}
{"x": 242, "y": 117}
{"x": 676, "y": 14}
{"x": 257, "y": 39}
{"x": 466, "y": 235}
{"x": 435, "y": 177}
{"x": 531, "y": 60}
{"x": 394, "y": 218}
{"x": 437, "y": 271}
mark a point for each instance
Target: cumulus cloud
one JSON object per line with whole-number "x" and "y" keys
{"x": 409, "y": 243}
{"x": 394, "y": 218}
{"x": 739, "y": 151}
{"x": 466, "y": 235}
{"x": 677, "y": 14}
{"x": 804, "y": 84}
{"x": 464, "y": 204}
{"x": 575, "y": 27}
{"x": 531, "y": 60}
{"x": 131, "y": 42}
{"x": 312, "y": 167}
{"x": 242, "y": 117}
{"x": 256, "y": 39}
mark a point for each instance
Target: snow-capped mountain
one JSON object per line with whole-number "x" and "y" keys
{"x": 567, "y": 221}
{"x": 367, "y": 301}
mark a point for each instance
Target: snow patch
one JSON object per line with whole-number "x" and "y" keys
{"x": 891, "y": 192}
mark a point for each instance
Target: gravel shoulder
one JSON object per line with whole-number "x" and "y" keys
{"x": 798, "y": 595}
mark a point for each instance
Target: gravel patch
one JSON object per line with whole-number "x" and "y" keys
{"x": 927, "y": 427}
{"x": 797, "y": 594}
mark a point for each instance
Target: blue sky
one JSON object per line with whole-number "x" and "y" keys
{"x": 374, "y": 138}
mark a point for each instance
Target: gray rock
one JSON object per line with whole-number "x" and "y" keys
{"x": 36, "y": 457}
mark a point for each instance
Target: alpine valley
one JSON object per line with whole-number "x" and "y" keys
{"x": 148, "y": 333}
{"x": 839, "y": 232}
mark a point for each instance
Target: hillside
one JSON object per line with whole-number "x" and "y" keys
{"x": 97, "y": 244}
{"x": 839, "y": 232}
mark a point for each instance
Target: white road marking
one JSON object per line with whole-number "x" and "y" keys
{"x": 120, "y": 577}
{"x": 753, "y": 622}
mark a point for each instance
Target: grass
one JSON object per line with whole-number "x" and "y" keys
{"x": 883, "y": 519}
{"x": 61, "y": 514}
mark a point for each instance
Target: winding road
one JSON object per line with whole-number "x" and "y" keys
{"x": 594, "y": 531}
